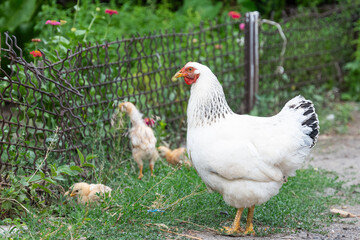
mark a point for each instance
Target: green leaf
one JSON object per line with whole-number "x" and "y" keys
{"x": 22, "y": 197}
{"x": 53, "y": 170}
{"x": 6, "y": 205}
{"x": 81, "y": 156}
{"x": 80, "y": 32}
{"x": 90, "y": 156}
{"x": 35, "y": 185}
{"x": 35, "y": 178}
{"x": 59, "y": 178}
{"x": 60, "y": 39}
{"x": 16, "y": 12}
{"x": 88, "y": 165}
{"x": 49, "y": 180}
{"x": 42, "y": 174}
{"x": 65, "y": 169}
{"x": 24, "y": 182}
{"x": 76, "y": 168}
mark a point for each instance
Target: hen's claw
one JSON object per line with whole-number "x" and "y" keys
{"x": 233, "y": 231}
{"x": 249, "y": 230}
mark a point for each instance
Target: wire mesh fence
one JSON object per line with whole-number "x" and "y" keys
{"x": 318, "y": 45}
{"x": 76, "y": 94}
{"x": 69, "y": 102}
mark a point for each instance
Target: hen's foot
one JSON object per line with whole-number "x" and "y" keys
{"x": 233, "y": 231}
{"x": 235, "y": 228}
{"x": 249, "y": 230}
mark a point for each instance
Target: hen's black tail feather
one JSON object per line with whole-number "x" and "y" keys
{"x": 311, "y": 120}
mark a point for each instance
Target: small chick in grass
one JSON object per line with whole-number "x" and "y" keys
{"x": 142, "y": 138}
{"x": 174, "y": 157}
{"x": 86, "y": 193}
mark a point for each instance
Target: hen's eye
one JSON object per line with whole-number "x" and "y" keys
{"x": 190, "y": 69}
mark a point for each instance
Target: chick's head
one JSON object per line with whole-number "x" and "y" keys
{"x": 126, "y": 107}
{"x": 163, "y": 150}
{"x": 80, "y": 189}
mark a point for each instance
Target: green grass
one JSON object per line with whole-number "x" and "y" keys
{"x": 301, "y": 204}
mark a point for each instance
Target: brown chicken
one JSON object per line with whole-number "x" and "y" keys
{"x": 142, "y": 138}
{"x": 86, "y": 193}
{"x": 174, "y": 157}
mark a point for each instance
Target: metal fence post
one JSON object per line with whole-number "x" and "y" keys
{"x": 251, "y": 59}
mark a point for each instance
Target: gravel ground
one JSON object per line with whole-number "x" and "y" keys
{"x": 338, "y": 153}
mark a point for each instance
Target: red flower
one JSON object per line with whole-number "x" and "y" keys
{"x": 111, "y": 12}
{"x": 234, "y": 15}
{"x": 242, "y": 26}
{"x": 36, "y": 53}
{"x": 36, "y": 40}
{"x": 53, "y": 22}
{"x": 149, "y": 121}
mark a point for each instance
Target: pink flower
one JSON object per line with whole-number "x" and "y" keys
{"x": 36, "y": 53}
{"x": 111, "y": 12}
{"x": 52, "y": 22}
{"x": 36, "y": 40}
{"x": 242, "y": 26}
{"x": 234, "y": 15}
{"x": 149, "y": 121}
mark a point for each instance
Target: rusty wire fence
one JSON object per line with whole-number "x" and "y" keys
{"x": 70, "y": 102}
{"x": 56, "y": 107}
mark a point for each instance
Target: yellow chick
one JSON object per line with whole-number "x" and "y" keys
{"x": 88, "y": 192}
{"x": 174, "y": 157}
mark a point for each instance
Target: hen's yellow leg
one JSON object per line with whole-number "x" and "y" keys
{"x": 249, "y": 225}
{"x": 140, "y": 174}
{"x": 236, "y": 225}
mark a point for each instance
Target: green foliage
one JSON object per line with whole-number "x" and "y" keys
{"x": 25, "y": 192}
{"x": 15, "y": 13}
{"x": 315, "y": 49}
{"x": 335, "y": 118}
{"x": 276, "y": 8}
{"x": 87, "y": 22}
{"x": 352, "y": 83}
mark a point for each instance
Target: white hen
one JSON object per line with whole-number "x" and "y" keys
{"x": 244, "y": 158}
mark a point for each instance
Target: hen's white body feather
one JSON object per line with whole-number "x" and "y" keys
{"x": 244, "y": 158}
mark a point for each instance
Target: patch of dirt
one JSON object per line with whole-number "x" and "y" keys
{"x": 338, "y": 153}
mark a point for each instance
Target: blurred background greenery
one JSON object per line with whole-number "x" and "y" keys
{"x": 86, "y": 21}
{"x": 26, "y": 18}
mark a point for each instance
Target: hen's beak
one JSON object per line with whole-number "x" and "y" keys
{"x": 177, "y": 75}
{"x": 72, "y": 195}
